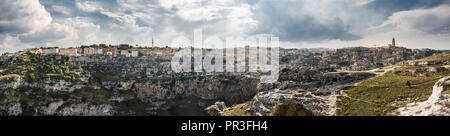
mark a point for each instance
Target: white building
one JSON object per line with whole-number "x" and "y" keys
{"x": 134, "y": 53}
{"x": 123, "y": 52}
{"x": 99, "y": 51}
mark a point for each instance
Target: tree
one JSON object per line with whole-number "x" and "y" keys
{"x": 408, "y": 84}
{"x": 380, "y": 65}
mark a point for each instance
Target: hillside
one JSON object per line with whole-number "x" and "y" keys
{"x": 39, "y": 84}
{"x": 435, "y": 58}
{"x": 408, "y": 82}
{"x": 36, "y": 84}
{"x": 33, "y": 67}
{"x": 394, "y": 88}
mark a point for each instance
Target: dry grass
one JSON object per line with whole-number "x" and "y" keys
{"x": 437, "y": 57}
{"x": 238, "y": 110}
{"x": 10, "y": 76}
{"x": 382, "y": 95}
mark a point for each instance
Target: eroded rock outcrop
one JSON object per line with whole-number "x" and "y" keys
{"x": 438, "y": 104}
{"x": 316, "y": 92}
{"x": 318, "y": 104}
{"x": 233, "y": 90}
{"x": 59, "y": 97}
{"x": 216, "y": 109}
{"x": 87, "y": 110}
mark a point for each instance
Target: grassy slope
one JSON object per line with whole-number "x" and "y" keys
{"x": 238, "y": 110}
{"x": 35, "y": 67}
{"x": 382, "y": 95}
{"x": 437, "y": 57}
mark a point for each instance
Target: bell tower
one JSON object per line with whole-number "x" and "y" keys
{"x": 393, "y": 42}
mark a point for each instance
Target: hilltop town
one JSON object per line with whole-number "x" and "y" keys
{"x": 354, "y": 58}
{"x": 351, "y": 59}
{"x": 125, "y": 80}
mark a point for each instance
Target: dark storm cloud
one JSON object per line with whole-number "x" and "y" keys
{"x": 288, "y": 20}
{"x": 284, "y": 19}
{"x": 294, "y": 21}
{"x": 387, "y": 7}
{"x": 74, "y": 11}
{"x": 430, "y": 23}
{"x": 438, "y": 26}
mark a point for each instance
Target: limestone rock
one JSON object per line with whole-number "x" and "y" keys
{"x": 438, "y": 104}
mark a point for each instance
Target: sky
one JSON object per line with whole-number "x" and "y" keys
{"x": 297, "y": 23}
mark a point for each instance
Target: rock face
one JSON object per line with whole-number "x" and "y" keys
{"x": 216, "y": 109}
{"x": 46, "y": 84}
{"x": 230, "y": 90}
{"x": 106, "y": 98}
{"x": 428, "y": 70}
{"x": 111, "y": 85}
{"x": 318, "y": 104}
{"x": 313, "y": 80}
{"x": 87, "y": 110}
{"x": 427, "y": 63}
{"x": 438, "y": 104}
{"x": 314, "y": 91}
{"x": 56, "y": 108}
{"x": 52, "y": 108}
{"x": 15, "y": 109}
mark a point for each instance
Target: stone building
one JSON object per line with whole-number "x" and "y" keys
{"x": 35, "y": 50}
{"x": 70, "y": 51}
{"x": 88, "y": 51}
{"x": 98, "y": 51}
{"x": 110, "y": 51}
{"x": 134, "y": 53}
{"x": 392, "y": 44}
{"x": 50, "y": 51}
{"x": 125, "y": 53}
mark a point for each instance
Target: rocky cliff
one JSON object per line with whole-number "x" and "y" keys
{"x": 300, "y": 91}
{"x": 59, "y": 97}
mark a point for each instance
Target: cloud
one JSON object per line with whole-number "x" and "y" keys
{"x": 298, "y": 23}
{"x": 10, "y": 43}
{"x": 216, "y": 17}
{"x": 88, "y": 6}
{"x": 138, "y": 20}
{"x": 7, "y": 42}
{"x": 432, "y": 21}
{"x": 419, "y": 28}
{"x": 306, "y": 21}
{"x": 17, "y": 17}
{"x": 388, "y": 7}
{"x": 58, "y": 9}
{"x": 205, "y": 10}
{"x": 53, "y": 32}
{"x": 66, "y": 32}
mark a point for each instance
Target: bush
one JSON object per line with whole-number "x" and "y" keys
{"x": 408, "y": 83}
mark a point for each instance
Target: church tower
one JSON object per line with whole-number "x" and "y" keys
{"x": 393, "y": 42}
